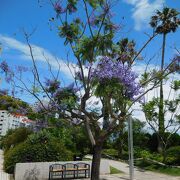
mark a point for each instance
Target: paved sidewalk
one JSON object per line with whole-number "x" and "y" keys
{"x": 139, "y": 174}
{"x": 3, "y": 175}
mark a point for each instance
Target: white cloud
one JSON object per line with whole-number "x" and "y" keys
{"x": 40, "y": 54}
{"x": 143, "y": 10}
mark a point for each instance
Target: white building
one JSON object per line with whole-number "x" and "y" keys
{"x": 12, "y": 121}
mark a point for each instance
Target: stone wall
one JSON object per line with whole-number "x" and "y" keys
{"x": 40, "y": 170}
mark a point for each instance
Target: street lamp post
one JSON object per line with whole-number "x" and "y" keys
{"x": 130, "y": 148}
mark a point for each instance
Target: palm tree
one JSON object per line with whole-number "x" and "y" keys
{"x": 164, "y": 22}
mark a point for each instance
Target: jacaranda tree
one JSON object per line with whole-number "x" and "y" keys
{"x": 104, "y": 87}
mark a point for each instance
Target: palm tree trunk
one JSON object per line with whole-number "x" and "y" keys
{"x": 161, "y": 101}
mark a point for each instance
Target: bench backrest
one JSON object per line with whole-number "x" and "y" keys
{"x": 56, "y": 166}
{"x": 83, "y": 165}
{"x": 70, "y": 166}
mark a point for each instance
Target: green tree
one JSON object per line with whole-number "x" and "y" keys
{"x": 74, "y": 137}
{"x": 140, "y": 137}
{"x": 170, "y": 114}
{"x": 14, "y": 137}
{"x": 16, "y": 105}
{"x": 164, "y": 22}
{"x": 99, "y": 73}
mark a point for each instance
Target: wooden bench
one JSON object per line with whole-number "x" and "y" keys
{"x": 69, "y": 171}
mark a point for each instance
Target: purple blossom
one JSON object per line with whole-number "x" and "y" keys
{"x": 8, "y": 72}
{"x": 93, "y": 20}
{"x": 76, "y": 89}
{"x": 9, "y": 77}
{"x": 21, "y": 69}
{"x": 58, "y": 8}
{"x": 51, "y": 85}
{"x": 71, "y": 8}
{"x": 106, "y": 8}
{"x": 108, "y": 69}
{"x": 22, "y": 110}
{"x": 58, "y": 92}
{"x": 3, "y": 102}
{"x": 78, "y": 75}
{"x": 50, "y": 106}
{"x": 3, "y": 92}
{"x": 44, "y": 105}
{"x": 4, "y": 67}
{"x": 19, "y": 110}
{"x": 115, "y": 27}
{"x": 73, "y": 88}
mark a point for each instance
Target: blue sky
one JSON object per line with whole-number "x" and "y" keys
{"x": 18, "y": 14}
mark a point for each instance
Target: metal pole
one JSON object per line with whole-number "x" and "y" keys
{"x": 130, "y": 149}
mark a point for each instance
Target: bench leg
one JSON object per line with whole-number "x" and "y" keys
{"x": 89, "y": 173}
{"x": 50, "y": 176}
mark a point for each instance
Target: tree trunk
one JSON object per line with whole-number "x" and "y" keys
{"x": 95, "y": 168}
{"x": 160, "y": 144}
{"x": 120, "y": 139}
{"x": 161, "y": 102}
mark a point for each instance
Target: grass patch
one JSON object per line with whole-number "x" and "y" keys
{"x": 113, "y": 170}
{"x": 144, "y": 164}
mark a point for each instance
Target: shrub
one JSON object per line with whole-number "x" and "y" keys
{"x": 14, "y": 137}
{"x": 74, "y": 137}
{"x": 157, "y": 157}
{"x": 124, "y": 155}
{"x": 172, "y": 156}
{"x": 39, "y": 147}
{"x": 141, "y": 153}
{"x": 110, "y": 152}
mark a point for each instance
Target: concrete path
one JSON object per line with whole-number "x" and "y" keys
{"x": 139, "y": 174}
{"x": 3, "y": 175}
